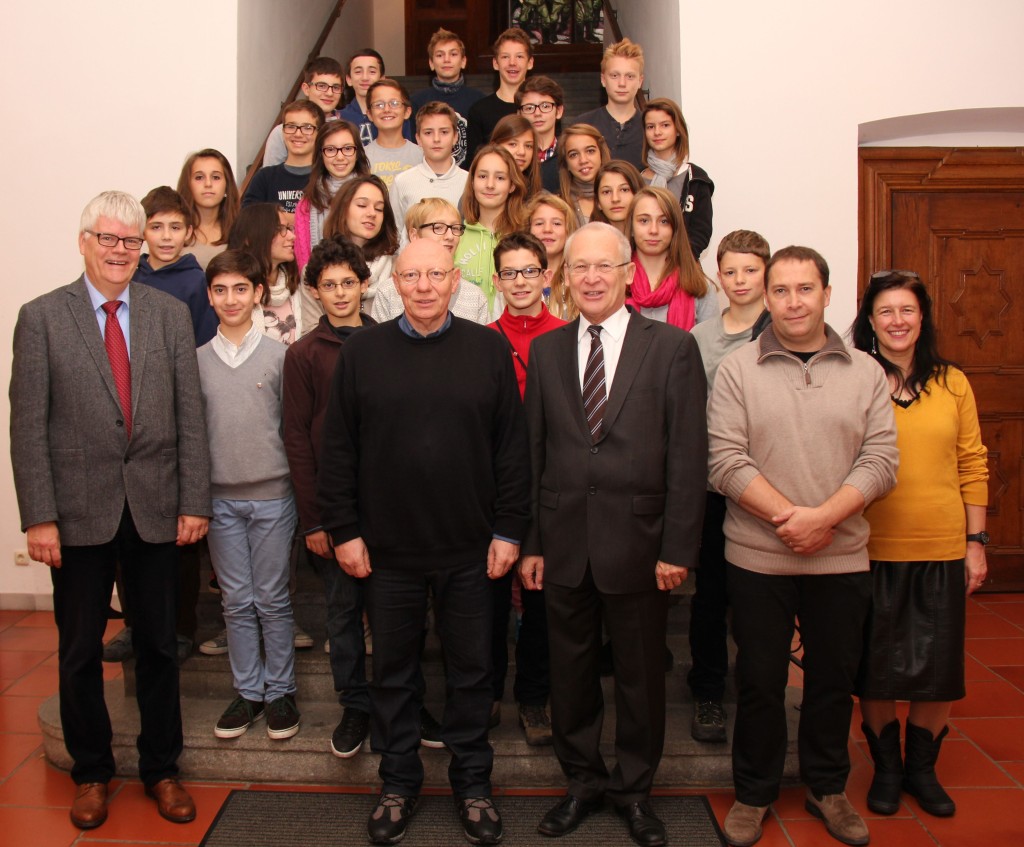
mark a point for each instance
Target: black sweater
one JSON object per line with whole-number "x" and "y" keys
{"x": 425, "y": 452}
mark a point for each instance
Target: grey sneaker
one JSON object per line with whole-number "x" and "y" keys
{"x": 238, "y": 717}
{"x": 216, "y": 646}
{"x": 282, "y": 717}
{"x": 708, "y": 722}
{"x": 302, "y": 639}
{"x": 536, "y": 725}
{"x": 742, "y": 826}
{"x": 841, "y": 819}
{"x": 119, "y": 648}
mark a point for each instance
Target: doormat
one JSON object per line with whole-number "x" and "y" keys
{"x": 315, "y": 819}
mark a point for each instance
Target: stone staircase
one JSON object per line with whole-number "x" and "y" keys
{"x": 206, "y": 690}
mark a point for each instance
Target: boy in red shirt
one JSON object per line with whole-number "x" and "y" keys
{"x": 522, "y": 276}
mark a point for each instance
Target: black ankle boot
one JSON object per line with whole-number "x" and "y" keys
{"x": 884, "y": 793}
{"x": 919, "y": 779}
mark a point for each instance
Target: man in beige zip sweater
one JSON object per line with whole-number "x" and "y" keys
{"x": 802, "y": 438}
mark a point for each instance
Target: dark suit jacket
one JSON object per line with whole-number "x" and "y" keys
{"x": 637, "y": 495}
{"x": 73, "y": 462}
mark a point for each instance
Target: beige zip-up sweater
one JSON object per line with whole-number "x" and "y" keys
{"x": 808, "y": 429}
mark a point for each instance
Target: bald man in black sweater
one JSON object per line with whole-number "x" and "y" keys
{"x": 424, "y": 487}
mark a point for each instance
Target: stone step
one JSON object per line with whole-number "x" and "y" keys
{"x": 307, "y": 758}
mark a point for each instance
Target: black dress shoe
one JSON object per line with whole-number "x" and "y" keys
{"x": 390, "y": 817}
{"x": 644, "y": 828}
{"x": 567, "y": 815}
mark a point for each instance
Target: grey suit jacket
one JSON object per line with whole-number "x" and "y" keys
{"x": 73, "y": 462}
{"x": 637, "y": 495}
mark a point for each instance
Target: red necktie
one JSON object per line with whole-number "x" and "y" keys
{"x": 117, "y": 352}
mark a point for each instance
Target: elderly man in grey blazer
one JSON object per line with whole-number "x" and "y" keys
{"x": 111, "y": 466}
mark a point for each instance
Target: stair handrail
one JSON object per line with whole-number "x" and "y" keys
{"x": 611, "y": 21}
{"x": 293, "y": 93}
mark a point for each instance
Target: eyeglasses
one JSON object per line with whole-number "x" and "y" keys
{"x": 381, "y": 105}
{"x": 544, "y": 107}
{"x": 883, "y": 274}
{"x": 106, "y": 239}
{"x": 580, "y": 269}
{"x": 305, "y": 129}
{"x": 345, "y": 284}
{"x": 434, "y": 275}
{"x": 346, "y": 150}
{"x": 509, "y": 274}
{"x": 334, "y": 88}
{"x": 284, "y": 229}
{"x": 439, "y": 228}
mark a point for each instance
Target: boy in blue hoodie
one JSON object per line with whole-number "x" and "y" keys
{"x": 168, "y": 230}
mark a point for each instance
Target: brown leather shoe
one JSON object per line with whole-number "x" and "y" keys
{"x": 90, "y": 807}
{"x": 172, "y": 801}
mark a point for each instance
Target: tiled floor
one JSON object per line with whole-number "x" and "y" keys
{"x": 982, "y": 761}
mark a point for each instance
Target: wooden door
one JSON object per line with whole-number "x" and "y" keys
{"x": 469, "y": 19}
{"x": 956, "y": 216}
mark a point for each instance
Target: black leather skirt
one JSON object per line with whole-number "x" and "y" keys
{"x": 914, "y": 635}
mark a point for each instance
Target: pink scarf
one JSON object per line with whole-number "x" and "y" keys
{"x": 682, "y": 309}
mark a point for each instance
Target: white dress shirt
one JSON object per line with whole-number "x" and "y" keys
{"x": 613, "y": 331}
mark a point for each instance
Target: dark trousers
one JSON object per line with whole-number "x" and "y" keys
{"x": 532, "y": 685}
{"x": 81, "y": 597}
{"x": 345, "y": 601}
{"x": 708, "y": 606}
{"x": 831, "y": 610}
{"x": 501, "y": 596}
{"x": 636, "y": 624}
{"x": 396, "y": 602}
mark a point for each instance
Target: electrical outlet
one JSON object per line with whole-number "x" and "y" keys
{"x": 21, "y": 557}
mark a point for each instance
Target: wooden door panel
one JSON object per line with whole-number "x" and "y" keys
{"x": 957, "y": 218}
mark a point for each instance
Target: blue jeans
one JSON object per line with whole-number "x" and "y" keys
{"x": 396, "y": 602}
{"x": 250, "y": 545}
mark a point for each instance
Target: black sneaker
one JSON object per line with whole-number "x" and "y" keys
{"x": 282, "y": 717}
{"x": 238, "y": 717}
{"x": 480, "y": 819}
{"x": 390, "y": 817}
{"x": 430, "y": 730}
{"x": 349, "y": 735}
{"x": 708, "y": 722}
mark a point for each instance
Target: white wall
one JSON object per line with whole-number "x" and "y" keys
{"x": 133, "y": 90}
{"x": 654, "y": 25}
{"x": 274, "y": 40}
{"x": 389, "y": 34}
{"x": 353, "y": 31}
{"x": 774, "y": 95}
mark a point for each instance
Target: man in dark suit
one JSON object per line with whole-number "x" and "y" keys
{"x": 111, "y": 466}
{"x": 618, "y": 438}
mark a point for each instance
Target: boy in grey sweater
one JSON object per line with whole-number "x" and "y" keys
{"x": 254, "y": 513}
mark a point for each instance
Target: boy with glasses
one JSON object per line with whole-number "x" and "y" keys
{"x": 438, "y": 175}
{"x": 284, "y": 184}
{"x": 390, "y": 152}
{"x": 364, "y": 68}
{"x": 523, "y": 277}
{"x": 337, "y": 277}
{"x": 447, "y": 57}
{"x": 542, "y": 102}
{"x": 323, "y": 85}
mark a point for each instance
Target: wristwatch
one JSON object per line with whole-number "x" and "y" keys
{"x": 981, "y": 537}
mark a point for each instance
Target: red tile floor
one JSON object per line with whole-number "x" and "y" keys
{"x": 982, "y": 761}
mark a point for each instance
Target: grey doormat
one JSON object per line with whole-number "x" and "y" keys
{"x": 319, "y": 819}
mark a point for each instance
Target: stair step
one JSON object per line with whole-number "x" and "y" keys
{"x": 306, "y": 757}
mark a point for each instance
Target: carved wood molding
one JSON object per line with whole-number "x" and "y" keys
{"x": 885, "y": 171}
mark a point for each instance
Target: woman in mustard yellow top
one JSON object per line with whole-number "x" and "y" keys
{"x": 927, "y": 545}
